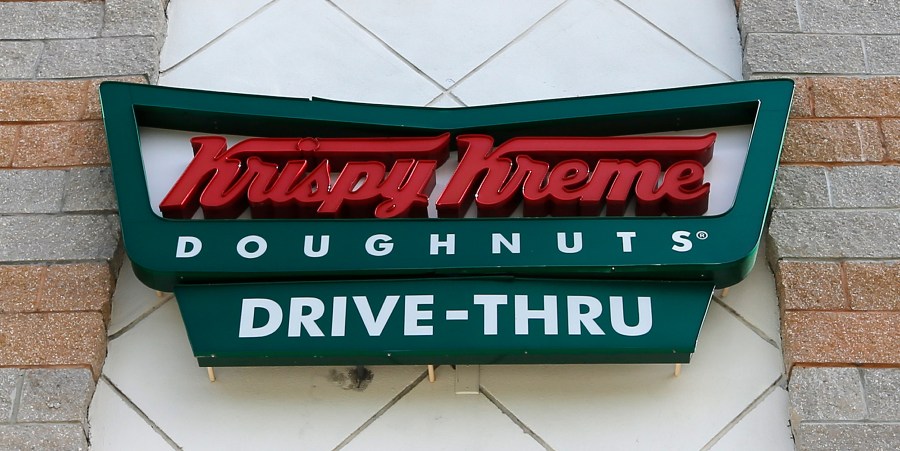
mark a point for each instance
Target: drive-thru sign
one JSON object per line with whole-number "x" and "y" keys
{"x": 308, "y": 231}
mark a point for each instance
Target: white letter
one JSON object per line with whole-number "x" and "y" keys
{"x": 577, "y": 318}
{"x": 683, "y": 244}
{"x": 548, "y": 314}
{"x": 626, "y": 240}
{"x": 308, "y": 246}
{"x": 490, "y": 303}
{"x": 375, "y": 325}
{"x": 617, "y": 315}
{"x": 449, "y": 244}
{"x": 379, "y": 245}
{"x": 497, "y": 239}
{"x": 260, "y": 246}
{"x": 297, "y": 320}
{"x": 412, "y": 314}
{"x": 564, "y": 247}
{"x": 338, "y": 316}
{"x": 182, "y": 251}
{"x": 248, "y": 313}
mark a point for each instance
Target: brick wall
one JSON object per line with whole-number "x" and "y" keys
{"x": 59, "y": 232}
{"x": 834, "y": 236}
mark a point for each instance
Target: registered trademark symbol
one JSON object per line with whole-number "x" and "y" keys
{"x": 702, "y": 235}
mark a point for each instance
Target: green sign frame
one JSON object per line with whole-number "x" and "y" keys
{"x": 722, "y": 258}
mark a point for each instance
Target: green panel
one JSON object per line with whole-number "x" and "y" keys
{"x": 665, "y": 332}
{"x": 723, "y": 258}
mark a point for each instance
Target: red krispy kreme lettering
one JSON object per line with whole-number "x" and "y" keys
{"x": 270, "y": 176}
{"x": 574, "y": 176}
{"x": 393, "y": 177}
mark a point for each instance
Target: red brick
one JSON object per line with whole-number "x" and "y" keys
{"x": 837, "y": 338}
{"x": 50, "y": 339}
{"x": 78, "y": 287}
{"x": 810, "y": 286}
{"x": 835, "y": 140}
{"x": 856, "y": 97}
{"x": 874, "y": 285}
{"x": 20, "y": 287}
{"x": 801, "y": 106}
{"x": 891, "y": 129}
{"x": 9, "y": 139}
{"x": 61, "y": 144}
{"x": 47, "y": 101}
{"x": 93, "y": 98}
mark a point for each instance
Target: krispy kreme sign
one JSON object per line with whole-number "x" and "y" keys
{"x": 394, "y": 177}
{"x": 301, "y": 231}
